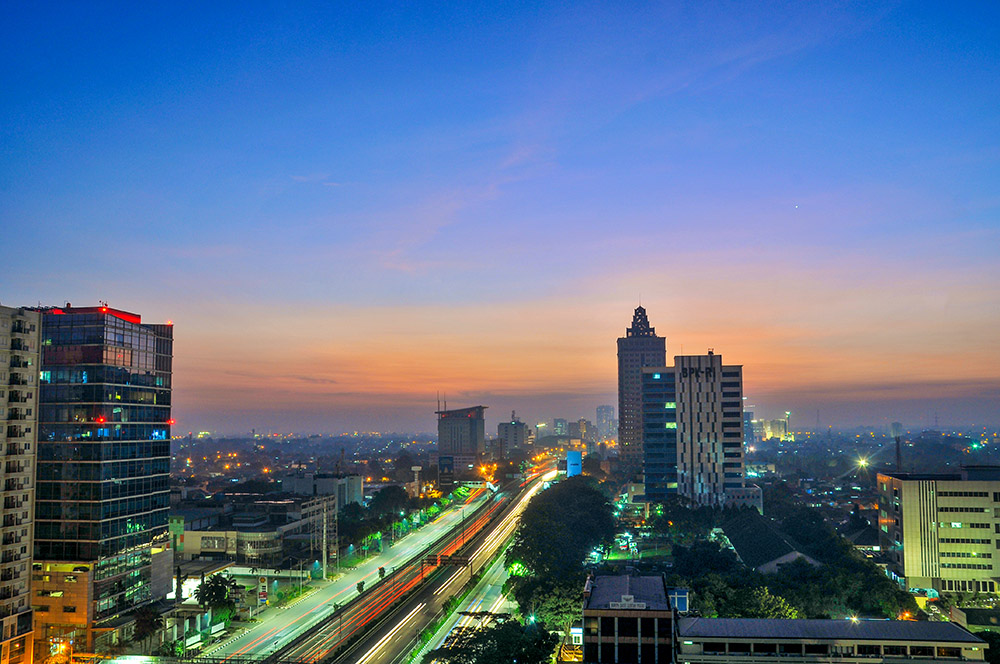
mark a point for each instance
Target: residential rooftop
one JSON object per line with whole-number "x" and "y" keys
{"x": 607, "y": 590}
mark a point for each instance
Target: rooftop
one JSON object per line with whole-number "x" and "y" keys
{"x": 862, "y": 630}
{"x": 648, "y": 590}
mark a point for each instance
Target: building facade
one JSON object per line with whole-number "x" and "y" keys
{"x": 462, "y": 437}
{"x": 639, "y": 348}
{"x": 627, "y": 619}
{"x": 512, "y": 436}
{"x": 693, "y": 432}
{"x": 20, "y": 342}
{"x": 942, "y": 531}
{"x": 606, "y": 420}
{"x": 103, "y": 472}
{"x": 347, "y": 488}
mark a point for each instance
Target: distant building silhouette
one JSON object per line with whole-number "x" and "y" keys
{"x": 605, "y": 421}
{"x": 511, "y": 435}
{"x": 640, "y": 347}
{"x": 462, "y": 436}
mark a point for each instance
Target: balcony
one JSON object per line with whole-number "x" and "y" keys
{"x": 11, "y": 520}
{"x": 17, "y": 379}
{"x": 19, "y": 344}
{"x": 15, "y": 450}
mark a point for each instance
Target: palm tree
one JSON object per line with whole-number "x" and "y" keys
{"x": 147, "y": 623}
{"x": 214, "y": 592}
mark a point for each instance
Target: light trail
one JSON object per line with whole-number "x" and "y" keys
{"x": 392, "y": 632}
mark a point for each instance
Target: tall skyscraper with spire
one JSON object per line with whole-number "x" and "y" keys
{"x": 640, "y": 347}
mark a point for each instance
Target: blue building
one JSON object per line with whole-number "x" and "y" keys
{"x": 659, "y": 423}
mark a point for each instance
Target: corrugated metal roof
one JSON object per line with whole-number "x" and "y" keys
{"x": 865, "y": 630}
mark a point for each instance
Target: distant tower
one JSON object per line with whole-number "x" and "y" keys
{"x": 640, "y": 347}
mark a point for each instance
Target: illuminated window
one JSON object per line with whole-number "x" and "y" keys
{"x": 656, "y": 376}
{"x": 671, "y": 425}
{"x": 670, "y": 404}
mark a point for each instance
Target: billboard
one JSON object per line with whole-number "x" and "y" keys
{"x": 446, "y": 473}
{"x": 574, "y": 463}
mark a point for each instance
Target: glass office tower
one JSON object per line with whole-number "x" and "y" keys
{"x": 103, "y": 468}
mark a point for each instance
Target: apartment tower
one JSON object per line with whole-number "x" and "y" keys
{"x": 639, "y": 348}
{"x": 103, "y": 472}
{"x": 20, "y": 333}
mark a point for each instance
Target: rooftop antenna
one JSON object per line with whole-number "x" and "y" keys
{"x": 446, "y": 401}
{"x": 439, "y": 400}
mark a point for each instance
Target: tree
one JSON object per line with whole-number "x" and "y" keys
{"x": 758, "y": 603}
{"x": 147, "y": 623}
{"x": 502, "y": 643}
{"x": 389, "y": 500}
{"x": 993, "y": 640}
{"x": 552, "y": 602}
{"x": 561, "y": 526}
{"x": 214, "y": 593}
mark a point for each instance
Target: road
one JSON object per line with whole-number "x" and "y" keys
{"x": 279, "y": 626}
{"x": 392, "y": 640}
{"x": 352, "y": 621}
{"x": 486, "y": 596}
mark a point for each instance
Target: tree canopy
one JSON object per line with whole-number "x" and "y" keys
{"x": 501, "y": 643}
{"x": 561, "y": 526}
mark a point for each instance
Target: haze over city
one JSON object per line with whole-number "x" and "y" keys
{"x": 346, "y": 212}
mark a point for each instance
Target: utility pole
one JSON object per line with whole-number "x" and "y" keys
{"x": 325, "y": 540}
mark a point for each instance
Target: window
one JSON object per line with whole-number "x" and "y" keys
{"x": 868, "y": 650}
{"x": 42, "y": 608}
{"x": 894, "y": 651}
{"x": 69, "y": 609}
{"x": 921, "y": 651}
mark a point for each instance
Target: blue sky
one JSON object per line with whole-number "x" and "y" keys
{"x": 473, "y": 197}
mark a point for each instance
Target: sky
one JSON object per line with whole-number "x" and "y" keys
{"x": 347, "y": 208}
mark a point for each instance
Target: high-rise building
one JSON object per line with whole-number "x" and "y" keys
{"x": 20, "y": 341}
{"x": 462, "y": 437}
{"x": 639, "y": 348}
{"x": 103, "y": 472}
{"x": 512, "y": 436}
{"x": 693, "y": 432}
{"x": 605, "y": 420}
{"x": 560, "y": 427}
{"x": 939, "y": 529}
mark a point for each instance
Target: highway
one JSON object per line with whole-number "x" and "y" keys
{"x": 391, "y": 640}
{"x": 280, "y": 626}
{"x": 486, "y": 596}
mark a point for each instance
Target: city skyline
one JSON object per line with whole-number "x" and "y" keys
{"x": 345, "y": 213}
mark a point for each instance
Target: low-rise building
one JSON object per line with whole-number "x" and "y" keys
{"x": 347, "y": 488}
{"x": 627, "y": 619}
{"x": 736, "y": 640}
{"x": 941, "y": 532}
